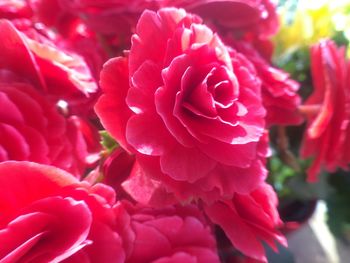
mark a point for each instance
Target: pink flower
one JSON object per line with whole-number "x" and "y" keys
{"x": 242, "y": 16}
{"x": 47, "y": 215}
{"x": 248, "y": 220}
{"x": 279, "y": 91}
{"x": 73, "y": 33}
{"x": 80, "y": 21}
{"x": 31, "y": 125}
{"x": 170, "y": 234}
{"x": 327, "y": 110}
{"x": 58, "y": 74}
{"x": 13, "y": 9}
{"x": 111, "y": 16}
{"x": 115, "y": 20}
{"x": 196, "y": 124}
{"x": 117, "y": 168}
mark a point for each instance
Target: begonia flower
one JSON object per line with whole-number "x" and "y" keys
{"x": 327, "y": 111}
{"x": 47, "y": 215}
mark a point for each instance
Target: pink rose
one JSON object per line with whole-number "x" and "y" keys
{"x": 327, "y": 110}
{"x": 248, "y": 220}
{"x": 47, "y": 215}
{"x": 195, "y": 125}
{"x": 170, "y": 234}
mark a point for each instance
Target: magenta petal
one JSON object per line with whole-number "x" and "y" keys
{"x": 178, "y": 257}
{"x": 144, "y": 190}
{"x": 3, "y": 154}
{"x": 257, "y": 218}
{"x": 38, "y": 147}
{"x": 231, "y": 179}
{"x": 149, "y": 42}
{"x": 106, "y": 108}
{"x": 30, "y": 105}
{"x": 218, "y": 129}
{"x": 20, "y": 189}
{"x": 149, "y": 239}
{"x": 140, "y": 97}
{"x": 233, "y": 155}
{"x": 66, "y": 74}
{"x": 239, "y": 233}
{"x": 17, "y": 239}
{"x": 79, "y": 257}
{"x": 165, "y": 101}
{"x": 186, "y": 164}
{"x": 115, "y": 83}
{"x": 9, "y": 112}
{"x": 13, "y": 49}
{"x": 244, "y": 180}
{"x": 147, "y": 134}
{"x": 14, "y": 143}
{"x": 106, "y": 246}
{"x": 62, "y": 236}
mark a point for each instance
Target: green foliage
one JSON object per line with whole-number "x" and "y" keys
{"x": 108, "y": 143}
{"x": 340, "y": 38}
{"x": 297, "y": 64}
{"x": 338, "y": 203}
{"x": 291, "y": 184}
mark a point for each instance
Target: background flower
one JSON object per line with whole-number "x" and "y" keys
{"x": 33, "y": 128}
{"x": 327, "y": 110}
{"x": 38, "y": 204}
{"x": 248, "y": 220}
{"x": 170, "y": 234}
{"x": 279, "y": 92}
{"x": 257, "y": 17}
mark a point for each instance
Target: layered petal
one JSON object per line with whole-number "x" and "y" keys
{"x": 326, "y": 135}
{"x": 249, "y": 219}
{"x": 37, "y": 206}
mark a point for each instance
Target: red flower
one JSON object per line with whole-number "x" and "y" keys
{"x": 31, "y": 126}
{"x": 47, "y": 215}
{"x": 170, "y": 234}
{"x": 241, "y": 16}
{"x": 328, "y": 110}
{"x": 13, "y": 9}
{"x": 248, "y": 220}
{"x": 115, "y": 20}
{"x": 116, "y": 169}
{"x": 73, "y": 33}
{"x": 196, "y": 123}
{"x": 279, "y": 91}
{"x": 54, "y": 72}
{"x": 112, "y": 20}
{"x": 111, "y": 16}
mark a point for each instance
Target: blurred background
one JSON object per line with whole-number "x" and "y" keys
{"x": 317, "y": 215}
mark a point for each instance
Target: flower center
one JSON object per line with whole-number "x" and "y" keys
{"x": 216, "y": 91}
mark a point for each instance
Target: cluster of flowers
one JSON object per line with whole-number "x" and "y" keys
{"x": 187, "y": 90}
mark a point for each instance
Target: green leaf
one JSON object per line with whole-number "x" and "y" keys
{"x": 338, "y": 205}
{"x": 108, "y": 143}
